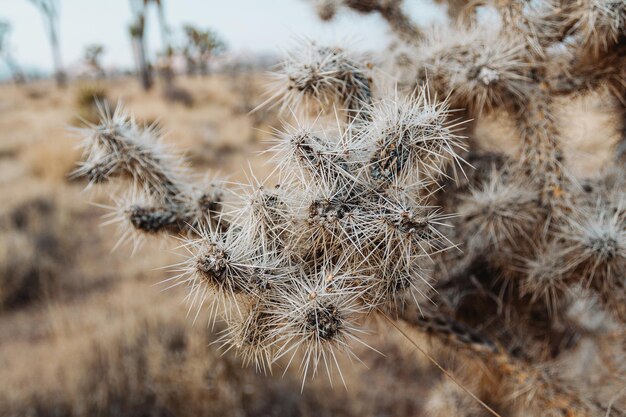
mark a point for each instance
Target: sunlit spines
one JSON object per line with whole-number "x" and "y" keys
{"x": 318, "y": 318}
{"x": 313, "y": 78}
{"x": 480, "y": 68}
{"x": 251, "y": 335}
{"x": 599, "y": 23}
{"x": 329, "y": 219}
{"x": 502, "y": 213}
{"x": 225, "y": 268}
{"x": 183, "y": 215}
{"x": 98, "y": 171}
{"x": 264, "y": 216}
{"x": 138, "y": 215}
{"x": 205, "y": 205}
{"x": 409, "y": 139}
{"x": 304, "y": 155}
{"x": 595, "y": 254}
{"x": 120, "y": 146}
{"x": 407, "y": 227}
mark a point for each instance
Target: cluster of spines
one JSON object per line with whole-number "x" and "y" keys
{"x": 162, "y": 198}
{"x": 478, "y": 74}
{"x": 316, "y": 77}
{"x": 588, "y": 250}
{"x": 295, "y": 267}
{"x": 598, "y": 23}
{"x": 519, "y": 210}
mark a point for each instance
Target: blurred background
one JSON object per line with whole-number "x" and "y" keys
{"x": 89, "y": 332}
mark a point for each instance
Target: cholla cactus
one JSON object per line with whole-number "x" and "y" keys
{"x": 361, "y": 221}
{"x": 316, "y": 77}
{"x": 163, "y": 197}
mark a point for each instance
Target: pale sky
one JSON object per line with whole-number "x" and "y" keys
{"x": 246, "y": 25}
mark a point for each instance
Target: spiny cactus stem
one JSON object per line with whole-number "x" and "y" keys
{"x": 620, "y": 147}
{"x": 360, "y": 99}
{"x": 585, "y": 75}
{"x": 441, "y": 368}
{"x": 158, "y": 178}
{"x": 391, "y": 11}
{"x": 400, "y": 22}
{"x": 514, "y": 371}
{"x": 541, "y": 151}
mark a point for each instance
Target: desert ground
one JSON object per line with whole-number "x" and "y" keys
{"x": 86, "y": 331}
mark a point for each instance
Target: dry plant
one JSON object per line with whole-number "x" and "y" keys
{"x": 200, "y": 48}
{"x": 36, "y": 252}
{"x": 88, "y": 96}
{"x": 386, "y": 204}
{"x": 93, "y": 59}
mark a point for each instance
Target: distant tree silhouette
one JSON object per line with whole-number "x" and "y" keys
{"x": 93, "y": 54}
{"x": 5, "y": 53}
{"x": 137, "y": 35}
{"x": 201, "y": 46}
{"x": 50, "y": 12}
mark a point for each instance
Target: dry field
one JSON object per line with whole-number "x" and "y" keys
{"x": 86, "y": 332}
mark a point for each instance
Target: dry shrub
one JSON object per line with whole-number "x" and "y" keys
{"x": 37, "y": 158}
{"x": 145, "y": 359}
{"x": 150, "y": 364}
{"x": 36, "y": 249}
{"x": 177, "y": 94}
{"x": 87, "y": 98}
{"x": 35, "y": 93}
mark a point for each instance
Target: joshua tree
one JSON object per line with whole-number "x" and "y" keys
{"x": 50, "y": 13}
{"x": 165, "y": 69}
{"x": 201, "y": 46}
{"x": 93, "y": 54}
{"x": 361, "y": 221}
{"x": 6, "y": 55}
{"x": 137, "y": 35}
{"x": 163, "y": 26}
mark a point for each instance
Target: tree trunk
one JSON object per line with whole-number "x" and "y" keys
{"x": 163, "y": 26}
{"x": 204, "y": 64}
{"x": 59, "y": 73}
{"x": 167, "y": 72}
{"x": 143, "y": 67}
{"x": 16, "y": 71}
